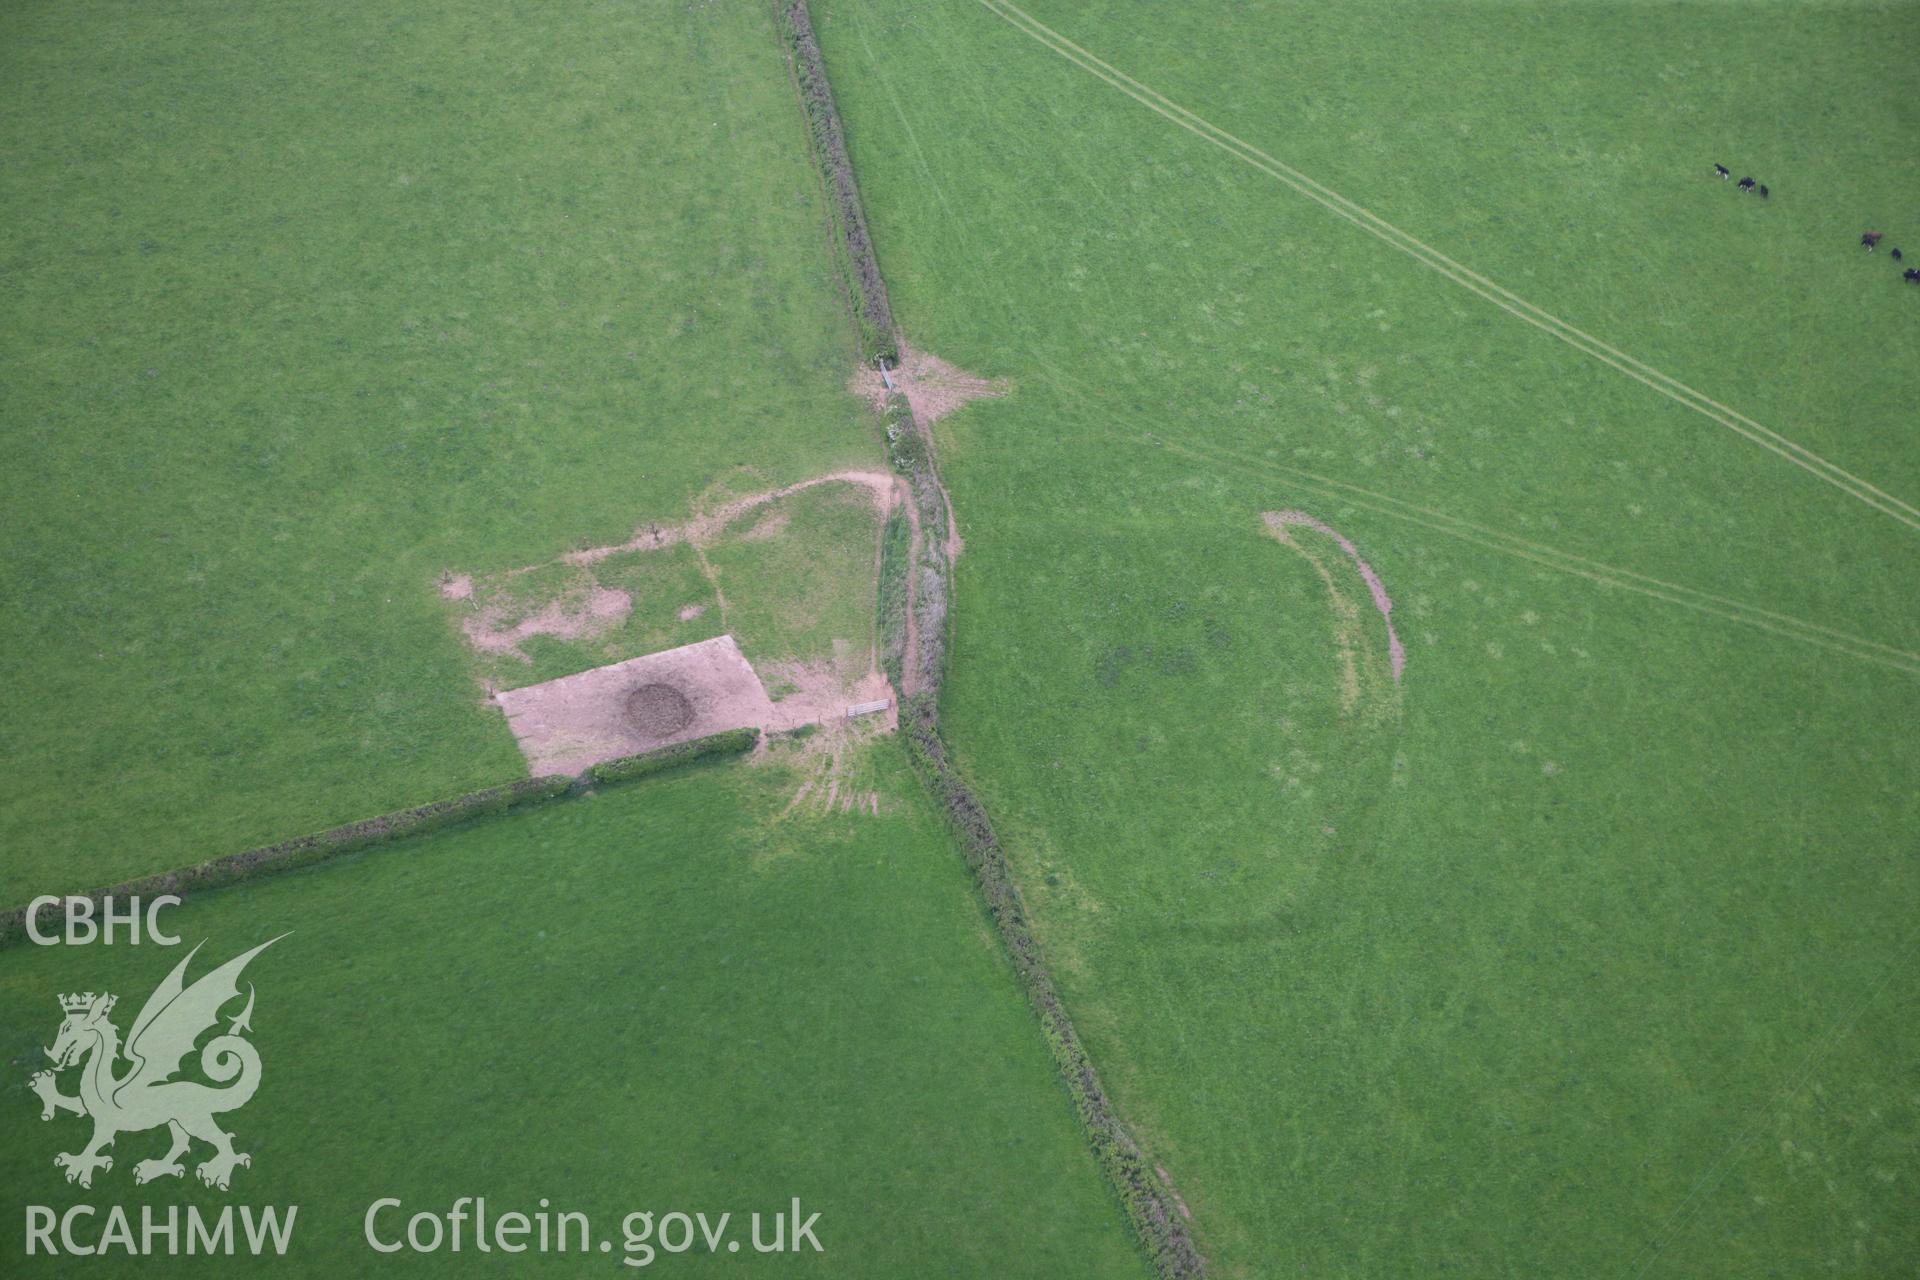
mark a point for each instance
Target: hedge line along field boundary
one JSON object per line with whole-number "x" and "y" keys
{"x": 1148, "y": 1206}
{"x": 852, "y": 249}
{"x": 891, "y": 599}
{"x": 733, "y": 742}
{"x": 390, "y": 828}
{"x": 912, "y": 602}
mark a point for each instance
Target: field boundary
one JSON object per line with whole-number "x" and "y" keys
{"x": 850, "y": 247}
{"x": 911, "y": 599}
{"x": 389, "y": 828}
{"x": 1428, "y": 256}
{"x": 1149, "y": 1208}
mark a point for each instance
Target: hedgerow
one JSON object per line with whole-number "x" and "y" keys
{"x": 854, "y": 248}
{"x": 301, "y": 851}
{"x": 890, "y": 594}
{"x": 910, "y": 452}
{"x": 388, "y": 828}
{"x": 628, "y": 768}
{"x": 1148, "y": 1206}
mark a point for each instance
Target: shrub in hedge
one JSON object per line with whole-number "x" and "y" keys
{"x": 906, "y": 445}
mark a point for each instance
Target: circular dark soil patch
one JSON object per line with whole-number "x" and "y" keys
{"x": 658, "y": 710}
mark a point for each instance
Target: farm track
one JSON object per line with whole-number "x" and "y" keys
{"x": 1806, "y": 459}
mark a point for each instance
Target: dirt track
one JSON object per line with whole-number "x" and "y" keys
{"x": 702, "y": 529}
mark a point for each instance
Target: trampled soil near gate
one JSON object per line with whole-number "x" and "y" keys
{"x": 933, "y": 387}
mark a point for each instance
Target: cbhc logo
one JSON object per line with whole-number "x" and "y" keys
{"x": 84, "y": 924}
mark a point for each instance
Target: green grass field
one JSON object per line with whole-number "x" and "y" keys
{"x": 463, "y": 290}
{"x": 1583, "y": 945}
{"x": 537, "y": 1007}
{"x": 305, "y": 307}
{"x": 1588, "y": 949}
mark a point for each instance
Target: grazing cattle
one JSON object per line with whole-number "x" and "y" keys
{"x": 1911, "y": 275}
{"x": 1896, "y": 255}
{"x": 1746, "y": 184}
{"x": 1870, "y": 239}
{"x": 1763, "y": 191}
{"x": 1723, "y": 171}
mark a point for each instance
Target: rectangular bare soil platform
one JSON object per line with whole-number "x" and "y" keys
{"x": 655, "y": 700}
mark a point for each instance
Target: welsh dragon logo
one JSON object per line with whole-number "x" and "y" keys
{"x": 146, "y": 1095}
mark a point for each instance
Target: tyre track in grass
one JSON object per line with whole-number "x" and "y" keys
{"x": 1605, "y": 575}
{"x": 1740, "y": 424}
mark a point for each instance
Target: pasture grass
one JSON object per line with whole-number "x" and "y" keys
{"x": 535, "y": 1007}
{"x": 1593, "y": 954}
{"x": 305, "y": 309}
{"x": 798, "y": 576}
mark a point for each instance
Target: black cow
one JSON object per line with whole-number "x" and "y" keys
{"x": 1763, "y": 191}
{"x": 1723, "y": 171}
{"x": 1746, "y": 184}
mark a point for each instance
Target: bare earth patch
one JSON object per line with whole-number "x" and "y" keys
{"x": 603, "y": 609}
{"x": 820, "y": 693}
{"x": 932, "y": 387}
{"x": 767, "y": 528}
{"x": 565, "y": 725}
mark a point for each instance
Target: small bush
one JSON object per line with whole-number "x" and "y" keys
{"x": 906, "y": 444}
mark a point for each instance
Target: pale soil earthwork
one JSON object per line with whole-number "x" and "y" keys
{"x": 1361, "y": 677}
{"x": 639, "y": 703}
{"x": 656, "y": 590}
